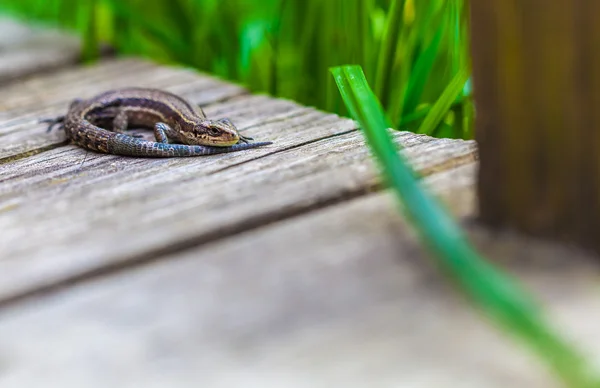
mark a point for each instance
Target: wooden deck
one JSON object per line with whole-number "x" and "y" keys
{"x": 285, "y": 266}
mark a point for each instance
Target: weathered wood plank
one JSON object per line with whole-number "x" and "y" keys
{"x": 340, "y": 297}
{"x": 25, "y": 50}
{"x": 119, "y": 209}
{"x": 76, "y": 212}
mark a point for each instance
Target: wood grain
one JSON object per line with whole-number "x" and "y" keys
{"x": 76, "y": 213}
{"x": 343, "y": 296}
{"x": 25, "y": 50}
{"x": 117, "y": 210}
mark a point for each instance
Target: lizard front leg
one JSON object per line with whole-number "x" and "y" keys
{"x": 162, "y": 133}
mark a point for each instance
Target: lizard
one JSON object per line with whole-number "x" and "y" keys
{"x": 180, "y": 128}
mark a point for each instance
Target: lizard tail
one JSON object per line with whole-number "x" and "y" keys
{"x": 129, "y": 146}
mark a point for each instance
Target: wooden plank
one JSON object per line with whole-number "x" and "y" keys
{"x": 25, "y": 50}
{"x": 77, "y": 213}
{"x": 340, "y": 297}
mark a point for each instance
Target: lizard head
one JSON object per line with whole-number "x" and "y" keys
{"x": 219, "y": 133}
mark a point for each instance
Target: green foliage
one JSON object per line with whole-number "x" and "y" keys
{"x": 494, "y": 292}
{"x": 411, "y": 50}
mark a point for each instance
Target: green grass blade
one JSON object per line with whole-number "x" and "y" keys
{"x": 455, "y": 35}
{"x": 443, "y": 104}
{"x": 422, "y": 71}
{"x": 495, "y": 292}
{"x": 90, "y": 45}
{"x": 184, "y": 28}
{"x": 364, "y": 47}
{"x": 389, "y": 44}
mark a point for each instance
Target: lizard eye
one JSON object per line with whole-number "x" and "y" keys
{"x": 214, "y": 131}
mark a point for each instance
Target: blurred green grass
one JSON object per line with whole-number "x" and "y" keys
{"x": 411, "y": 50}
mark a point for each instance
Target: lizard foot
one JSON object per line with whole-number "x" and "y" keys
{"x": 52, "y": 122}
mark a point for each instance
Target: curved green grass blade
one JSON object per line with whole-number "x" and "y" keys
{"x": 389, "y": 44}
{"x": 422, "y": 70}
{"x": 493, "y": 291}
{"x": 449, "y": 96}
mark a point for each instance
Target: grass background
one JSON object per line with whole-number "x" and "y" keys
{"x": 414, "y": 52}
{"x": 411, "y": 71}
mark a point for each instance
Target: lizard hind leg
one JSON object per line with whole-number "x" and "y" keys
{"x": 59, "y": 120}
{"x": 52, "y": 122}
{"x": 162, "y": 133}
{"x": 120, "y": 123}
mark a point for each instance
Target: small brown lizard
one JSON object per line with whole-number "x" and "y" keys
{"x": 172, "y": 118}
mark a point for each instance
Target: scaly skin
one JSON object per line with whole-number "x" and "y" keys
{"x": 171, "y": 117}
